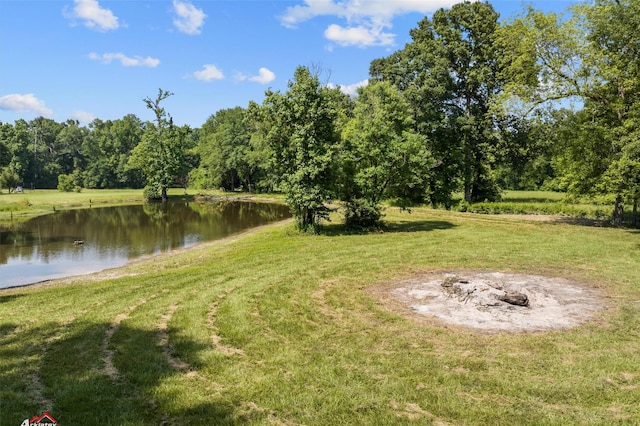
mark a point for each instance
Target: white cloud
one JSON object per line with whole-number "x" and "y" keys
{"x": 354, "y": 10}
{"x": 209, "y": 72}
{"x": 24, "y": 103}
{"x": 360, "y": 36}
{"x": 190, "y": 19}
{"x": 83, "y": 116}
{"x": 125, "y": 61}
{"x": 352, "y": 89}
{"x": 94, "y": 16}
{"x": 264, "y": 76}
{"x": 366, "y": 20}
{"x": 311, "y": 9}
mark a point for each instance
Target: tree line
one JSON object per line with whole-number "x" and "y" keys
{"x": 470, "y": 104}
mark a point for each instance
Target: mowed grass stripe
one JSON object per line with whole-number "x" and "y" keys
{"x": 46, "y": 320}
{"x": 317, "y": 349}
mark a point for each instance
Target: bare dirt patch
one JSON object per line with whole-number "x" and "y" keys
{"x": 493, "y": 301}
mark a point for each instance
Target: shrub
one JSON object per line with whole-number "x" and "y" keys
{"x": 65, "y": 183}
{"x": 362, "y": 214}
{"x": 152, "y": 192}
{"x": 69, "y": 183}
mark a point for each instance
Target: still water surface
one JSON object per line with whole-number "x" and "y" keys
{"x": 43, "y": 248}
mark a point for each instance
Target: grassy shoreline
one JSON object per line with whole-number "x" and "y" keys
{"x": 31, "y": 203}
{"x": 17, "y": 207}
{"x": 275, "y": 327}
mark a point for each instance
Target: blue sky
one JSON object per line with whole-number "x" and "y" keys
{"x": 86, "y": 59}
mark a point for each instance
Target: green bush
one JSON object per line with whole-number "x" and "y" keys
{"x": 152, "y": 192}
{"x": 65, "y": 183}
{"x": 69, "y": 183}
{"x": 362, "y": 214}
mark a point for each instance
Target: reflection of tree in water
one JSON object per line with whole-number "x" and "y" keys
{"x": 18, "y": 239}
{"x": 132, "y": 231}
{"x": 226, "y": 217}
{"x": 23, "y": 243}
{"x": 111, "y": 229}
{"x": 168, "y": 224}
{"x": 244, "y": 210}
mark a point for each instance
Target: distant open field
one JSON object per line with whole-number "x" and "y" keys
{"x": 541, "y": 202}
{"x": 277, "y": 327}
{"x": 42, "y": 201}
{"x": 19, "y": 206}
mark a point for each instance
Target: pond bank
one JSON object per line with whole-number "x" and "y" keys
{"x": 47, "y": 247}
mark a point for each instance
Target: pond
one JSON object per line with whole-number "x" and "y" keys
{"x": 76, "y": 242}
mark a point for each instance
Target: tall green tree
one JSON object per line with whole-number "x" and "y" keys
{"x": 227, "y": 157}
{"x": 262, "y": 155}
{"x": 107, "y": 150}
{"x": 9, "y": 177}
{"x": 6, "y": 131}
{"x": 613, "y": 27}
{"x": 163, "y": 153}
{"x": 45, "y": 166}
{"x": 70, "y": 157}
{"x": 301, "y": 130}
{"x": 544, "y": 61}
{"x": 594, "y": 55}
{"x": 18, "y": 140}
{"x": 382, "y": 155}
{"x": 525, "y": 151}
{"x": 450, "y": 74}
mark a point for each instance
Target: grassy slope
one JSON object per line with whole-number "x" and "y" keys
{"x": 275, "y": 328}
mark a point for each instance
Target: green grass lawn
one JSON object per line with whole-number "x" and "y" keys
{"x": 275, "y": 327}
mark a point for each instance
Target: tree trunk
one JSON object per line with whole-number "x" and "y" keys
{"x": 164, "y": 195}
{"x": 467, "y": 192}
{"x": 309, "y": 219}
{"x": 468, "y": 156}
{"x": 618, "y": 211}
{"x": 468, "y": 178}
{"x": 634, "y": 216}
